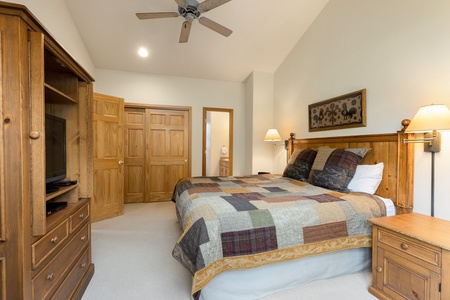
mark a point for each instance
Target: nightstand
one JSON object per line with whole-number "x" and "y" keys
{"x": 410, "y": 257}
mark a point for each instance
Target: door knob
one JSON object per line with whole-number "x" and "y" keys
{"x": 120, "y": 162}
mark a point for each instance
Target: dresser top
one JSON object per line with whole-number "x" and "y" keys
{"x": 432, "y": 230}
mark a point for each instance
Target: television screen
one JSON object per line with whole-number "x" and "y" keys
{"x": 55, "y": 148}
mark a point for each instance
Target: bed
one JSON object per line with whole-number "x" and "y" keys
{"x": 245, "y": 237}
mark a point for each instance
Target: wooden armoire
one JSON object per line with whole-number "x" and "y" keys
{"x": 41, "y": 256}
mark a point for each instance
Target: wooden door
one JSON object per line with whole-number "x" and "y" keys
{"x": 134, "y": 125}
{"x": 108, "y": 157}
{"x": 167, "y": 152}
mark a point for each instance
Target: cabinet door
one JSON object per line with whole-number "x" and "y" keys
{"x": 404, "y": 277}
{"x": 37, "y": 132}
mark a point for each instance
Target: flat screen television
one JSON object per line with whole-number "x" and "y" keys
{"x": 55, "y": 148}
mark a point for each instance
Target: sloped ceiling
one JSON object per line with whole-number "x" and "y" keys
{"x": 264, "y": 32}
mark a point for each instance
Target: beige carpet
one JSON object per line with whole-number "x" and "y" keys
{"x": 133, "y": 261}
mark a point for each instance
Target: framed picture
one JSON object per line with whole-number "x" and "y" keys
{"x": 344, "y": 111}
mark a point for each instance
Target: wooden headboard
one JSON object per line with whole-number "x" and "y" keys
{"x": 398, "y": 158}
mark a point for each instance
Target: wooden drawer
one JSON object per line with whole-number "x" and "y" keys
{"x": 79, "y": 217}
{"x": 68, "y": 287}
{"x": 47, "y": 245}
{"x": 425, "y": 252}
{"x": 52, "y": 274}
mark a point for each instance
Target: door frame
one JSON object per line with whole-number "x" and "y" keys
{"x": 230, "y": 136}
{"x": 171, "y": 107}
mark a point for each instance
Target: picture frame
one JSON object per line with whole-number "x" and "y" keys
{"x": 346, "y": 111}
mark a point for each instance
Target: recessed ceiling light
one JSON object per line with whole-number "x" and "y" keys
{"x": 143, "y": 52}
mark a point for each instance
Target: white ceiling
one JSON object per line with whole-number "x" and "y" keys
{"x": 264, "y": 32}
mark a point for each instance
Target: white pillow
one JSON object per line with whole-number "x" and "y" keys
{"x": 367, "y": 178}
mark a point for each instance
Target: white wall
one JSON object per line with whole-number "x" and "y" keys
{"x": 259, "y": 118}
{"x": 398, "y": 50}
{"x": 197, "y": 93}
{"x": 56, "y": 18}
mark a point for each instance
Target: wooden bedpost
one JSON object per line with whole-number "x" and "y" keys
{"x": 290, "y": 145}
{"x": 405, "y": 183}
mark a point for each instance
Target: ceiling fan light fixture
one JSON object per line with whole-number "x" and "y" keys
{"x": 143, "y": 52}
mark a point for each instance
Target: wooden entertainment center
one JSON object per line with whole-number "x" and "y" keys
{"x": 42, "y": 257}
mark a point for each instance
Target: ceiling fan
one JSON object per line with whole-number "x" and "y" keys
{"x": 191, "y": 10}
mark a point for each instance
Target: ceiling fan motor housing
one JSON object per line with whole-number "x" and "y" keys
{"x": 189, "y": 13}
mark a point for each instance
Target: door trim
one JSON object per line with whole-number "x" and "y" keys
{"x": 230, "y": 137}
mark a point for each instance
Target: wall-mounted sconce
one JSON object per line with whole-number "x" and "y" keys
{"x": 430, "y": 119}
{"x": 272, "y": 135}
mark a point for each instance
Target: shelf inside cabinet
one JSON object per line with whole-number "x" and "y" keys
{"x": 62, "y": 190}
{"x": 60, "y": 82}
{"x": 54, "y": 95}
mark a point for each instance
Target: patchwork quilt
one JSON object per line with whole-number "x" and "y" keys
{"x": 232, "y": 223}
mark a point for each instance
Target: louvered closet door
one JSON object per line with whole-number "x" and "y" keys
{"x": 167, "y": 152}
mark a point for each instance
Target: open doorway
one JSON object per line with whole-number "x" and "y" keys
{"x": 217, "y": 157}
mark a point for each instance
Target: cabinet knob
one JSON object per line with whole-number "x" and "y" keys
{"x": 404, "y": 246}
{"x": 50, "y": 277}
{"x": 81, "y": 216}
{"x": 34, "y": 134}
{"x": 379, "y": 269}
{"x": 54, "y": 240}
{"x": 83, "y": 265}
{"x": 415, "y": 294}
{"x": 83, "y": 238}
{"x": 121, "y": 162}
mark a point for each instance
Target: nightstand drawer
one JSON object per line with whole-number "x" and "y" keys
{"x": 428, "y": 253}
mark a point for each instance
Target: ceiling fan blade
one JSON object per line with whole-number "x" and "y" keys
{"x": 215, "y": 26}
{"x": 185, "y": 30}
{"x": 156, "y": 15}
{"x": 210, "y": 4}
{"x": 181, "y": 3}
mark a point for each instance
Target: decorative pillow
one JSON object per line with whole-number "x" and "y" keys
{"x": 300, "y": 167}
{"x": 367, "y": 178}
{"x": 334, "y": 168}
{"x": 294, "y": 156}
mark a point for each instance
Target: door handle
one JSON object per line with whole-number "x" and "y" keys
{"x": 121, "y": 162}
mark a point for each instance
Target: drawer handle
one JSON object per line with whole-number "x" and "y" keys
{"x": 404, "y": 246}
{"x": 54, "y": 240}
{"x": 81, "y": 216}
{"x": 83, "y": 265}
{"x": 83, "y": 238}
{"x": 50, "y": 277}
{"x": 415, "y": 294}
{"x": 379, "y": 269}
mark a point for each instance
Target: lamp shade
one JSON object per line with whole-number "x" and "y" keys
{"x": 430, "y": 117}
{"x": 272, "y": 135}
